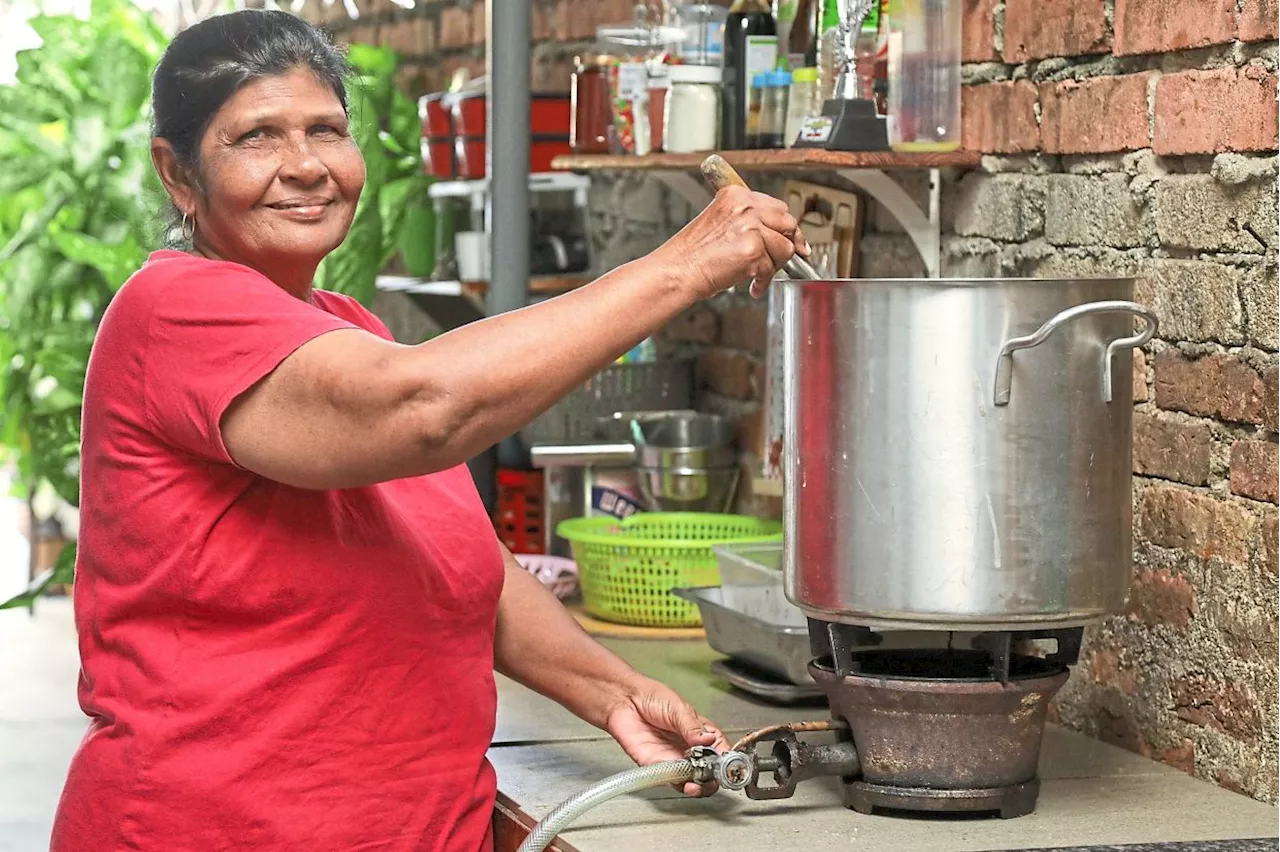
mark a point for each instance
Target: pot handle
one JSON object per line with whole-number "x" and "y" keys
{"x": 1004, "y": 365}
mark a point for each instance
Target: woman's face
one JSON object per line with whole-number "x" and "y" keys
{"x": 279, "y": 176}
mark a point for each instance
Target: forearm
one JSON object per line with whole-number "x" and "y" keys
{"x": 488, "y": 379}
{"x": 540, "y": 645}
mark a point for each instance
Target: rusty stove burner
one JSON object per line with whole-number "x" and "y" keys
{"x": 935, "y": 731}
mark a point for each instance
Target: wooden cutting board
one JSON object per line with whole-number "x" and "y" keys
{"x": 609, "y": 630}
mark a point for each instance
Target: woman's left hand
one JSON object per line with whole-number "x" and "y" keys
{"x": 653, "y": 724}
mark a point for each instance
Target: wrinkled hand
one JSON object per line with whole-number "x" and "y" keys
{"x": 741, "y": 236}
{"x": 653, "y": 724}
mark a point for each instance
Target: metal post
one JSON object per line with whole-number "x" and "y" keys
{"x": 507, "y": 147}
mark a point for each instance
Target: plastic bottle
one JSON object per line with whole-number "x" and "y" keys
{"x": 924, "y": 75}
{"x": 773, "y": 109}
{"x": 755, "y": 110}
{"x": 802, "y": 102}
{"x": 750, "y": 47}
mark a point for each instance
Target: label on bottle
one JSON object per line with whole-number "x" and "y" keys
{"x": 816, "y": 129}
{"x": 785, "y": 11}
{"x": 633, "y": 81}
{"x": 659, "y": 77}
{"x": 761, "y": 55}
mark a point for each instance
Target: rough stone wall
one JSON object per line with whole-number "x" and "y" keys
{"x": 1138, "y": 137}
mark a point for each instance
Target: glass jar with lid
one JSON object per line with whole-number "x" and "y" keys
{"x": 592, "y": 108}
{"x": 692, "y": 116}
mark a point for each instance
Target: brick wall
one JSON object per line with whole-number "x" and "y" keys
{"x": 1138, "y": 137}
{"x": 1124, "y": 137}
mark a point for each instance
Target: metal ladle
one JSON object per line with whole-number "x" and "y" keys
{"x": 720, "y": 174}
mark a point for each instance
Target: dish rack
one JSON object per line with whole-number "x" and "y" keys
{"x": 582, "y": 417}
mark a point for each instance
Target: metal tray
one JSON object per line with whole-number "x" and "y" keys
{"x": 776, "y": 648}
{"x": 764, "y": 686}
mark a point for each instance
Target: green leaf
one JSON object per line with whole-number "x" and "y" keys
{"x": 62, "y": 573}
{"x": 116, "y": 261}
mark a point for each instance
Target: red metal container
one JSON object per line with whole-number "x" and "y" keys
{"x": 469, "y": 154}
{"x": 549, "y": 114}
{"x": 437, "y": 135}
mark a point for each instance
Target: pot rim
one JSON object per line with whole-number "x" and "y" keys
{"x": 960, "y": 282}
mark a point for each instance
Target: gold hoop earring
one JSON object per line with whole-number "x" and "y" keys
{"x": 185, "y": 235}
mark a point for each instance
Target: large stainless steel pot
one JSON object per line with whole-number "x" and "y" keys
{"x": 958, "y": 452}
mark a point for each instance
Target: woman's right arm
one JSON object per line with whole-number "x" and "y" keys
{"x": 349, "y": 409}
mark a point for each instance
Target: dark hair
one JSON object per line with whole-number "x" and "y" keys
{"x": 205, "y": 65}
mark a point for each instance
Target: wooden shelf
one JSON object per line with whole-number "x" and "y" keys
{"x": 786, "y": 159}
{"x": 542, "y": 285}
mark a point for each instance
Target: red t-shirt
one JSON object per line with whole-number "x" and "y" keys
{"x": 265, "y": 667}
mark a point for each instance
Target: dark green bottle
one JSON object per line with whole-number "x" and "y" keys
{"x": 750, "y": 47}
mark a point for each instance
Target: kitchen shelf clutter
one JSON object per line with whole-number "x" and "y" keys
{"x": 865, "y": 170}
{"x": 783, "y": 159}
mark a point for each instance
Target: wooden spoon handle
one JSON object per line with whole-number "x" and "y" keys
{"x": 720, "y": 174}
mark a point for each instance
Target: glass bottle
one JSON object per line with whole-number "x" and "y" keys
{"x": 750, "y": 47}
{"x": 924, "y": 75}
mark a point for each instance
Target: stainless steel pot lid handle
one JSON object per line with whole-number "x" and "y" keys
{"x": 1004, "y": 364}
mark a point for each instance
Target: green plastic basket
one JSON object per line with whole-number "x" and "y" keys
{"x": 627, "y": 569}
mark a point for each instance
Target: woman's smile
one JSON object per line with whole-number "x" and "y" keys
{"x": 302, "y": 208}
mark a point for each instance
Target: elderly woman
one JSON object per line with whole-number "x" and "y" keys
{"x": 290, "y": 600}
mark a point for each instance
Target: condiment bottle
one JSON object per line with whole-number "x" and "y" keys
{"x": 773, "y": 109}
{"x": 802, "y": 103}
{"x": 750, "y": 47}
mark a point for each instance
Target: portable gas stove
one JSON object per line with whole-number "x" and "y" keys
{"x": 942, "y": 729}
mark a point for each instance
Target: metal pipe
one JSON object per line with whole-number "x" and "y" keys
{"x": 507, "y": 152}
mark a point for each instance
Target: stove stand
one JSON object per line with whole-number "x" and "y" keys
{"x": 1013, "y": 801}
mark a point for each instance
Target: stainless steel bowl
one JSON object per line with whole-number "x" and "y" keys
{"x": 685, "y": 440}
{"x": 688, "y": 489}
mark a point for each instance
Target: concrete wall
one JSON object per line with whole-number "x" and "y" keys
{"x": 1125, "y": 137}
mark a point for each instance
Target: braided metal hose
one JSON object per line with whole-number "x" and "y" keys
{"x": 641, "y": 778}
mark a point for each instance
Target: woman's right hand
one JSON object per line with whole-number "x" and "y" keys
{"x": 741, "y": 236}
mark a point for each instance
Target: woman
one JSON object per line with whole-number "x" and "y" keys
{"x": 290, "y": 599}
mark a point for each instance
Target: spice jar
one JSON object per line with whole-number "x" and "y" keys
{"x": 691, "y": 119}
{"x": 592, "y": 113}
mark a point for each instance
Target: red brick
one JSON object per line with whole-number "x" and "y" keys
{"x": 1108, "y": 669}
{"x": 576, "y": 20}
{"x": 455, "y": 27}
{"x": 1181, "y": 756}
{"x": 1196, "y": 523}
{"x": 1259, "y": 20}
{"x": 745, "y": 327}
{"x": 1216, "y": 385}
{"x": 479, "y": 23}
{"x": 543, "y": 21}
{"x": 1139, "y": 376}
{"x": 551, "y": 73}
{"x": 1036, "y": 29}
{"x": 1271, "y": 396}
{"x": 728, "y": 373}
{"x": 699, "y": 324}
{"x": 1208, "y": 112}
{"x": 1070, "y": 115}
{"x": 1158, "y": 597}
{"x": 1271, "y": 542}
{"x": 978, "y": 41}
{"x": 1254, "y": 466}
{"x": 1158, "y": 26}
{"x": 424, "y": 36}
{"x": 1171, "y": 450}
{"x": 1210, "y": 703}
{"x": 1000, "y": 118}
